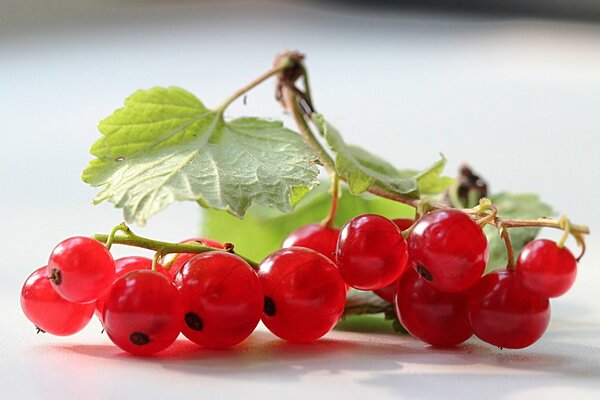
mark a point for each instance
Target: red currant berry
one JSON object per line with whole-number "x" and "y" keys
{"x": 434, "y": 317}
{"x": 142, "y": 314}
{"x": 48, "y": 310}
{"x": 503, "y": 313}
{"x": 403, "y": 223}
{"x": 546, "y": 269}
{"x": 124, "y": 265}
{"x": 371, "y": 252}
{"x": 448, "y": 249}
{"x": 304, "y": 294}
{"x": 182, "y": 258}
{"x": 222, "y": 299}
{"x": 387, "y": 293}
{"x": 81, "y": 269}
{"x": 315, "y": 237}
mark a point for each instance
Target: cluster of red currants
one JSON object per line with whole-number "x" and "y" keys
{"x": 216, "y": 298}
{"x": 435, "y": 277}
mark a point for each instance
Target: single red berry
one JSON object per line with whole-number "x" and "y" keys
{"x": 315, "y": 237}
{"x": 387, "y": 293}
{"x": 503, "y": 313}
{"x": 124, "y": 265}
{"x": 546, "y": 269}
{"x": 143, "y": 313}
{"x": 434, "y": 317}
{"x": 304, "y": 294}
{"x": 448, "y": 249}
{"x": 222, "y": 299}
{"x": 81, "y": 269}
{"x": 371, "y": 252}
{"x": 403, "y": 223}
{"x": 182, "y": 258}
{"x": 48, "y": 310}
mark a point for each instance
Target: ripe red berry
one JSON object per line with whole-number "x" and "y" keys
{"x": 304, "y": 294}
{"x": 503, "y": 313}
{"x": 81, "y": 269}
{"x": 315, "y": 237}
{"x": 124, "y": 265}
{"x": 448, "y": 249}
{"x": 182, "y": 258}
{"x": 546, "y": 269}
{"x": 434, "y": 317}
{"x": 387, "y": 293}
{"x": 403, "y": 223}
{"x": 48, "y": 310}
{"x": 371, "y": 252}
{"x": 222, "y": 299}
{"x": 142, "y": 314}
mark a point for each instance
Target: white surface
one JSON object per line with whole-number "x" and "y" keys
{"x": 518, "y": 99}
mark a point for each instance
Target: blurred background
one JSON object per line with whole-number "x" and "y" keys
{"x": 511, "y": 87}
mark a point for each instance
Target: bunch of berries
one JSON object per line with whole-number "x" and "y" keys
{"x": 434, "y": 278}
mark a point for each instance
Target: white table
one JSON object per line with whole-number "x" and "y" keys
{"x": 516, "y": 98}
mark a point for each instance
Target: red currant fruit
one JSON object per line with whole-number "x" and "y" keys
{"x": 448, "y": 249}
{"x": 182, "y": 258}
{"x": 434, "y": 317}
{"x": 48, "y": 310}
{"x": 315, "y": 237}
{"x": 387, "y": 293}
{"x": 304, "y": 294}
{"x": 371, "y": 252}
{"x": 546, "y": 269}
{"x": 81, "y": 269}
{"x": 142, "y": 314}
{"x": 403, "y": 223}
{"x": 504, "y": 313}
{"x": 125, "y": 265}
{"x": 222, "y": 299}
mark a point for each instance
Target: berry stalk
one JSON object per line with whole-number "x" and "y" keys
{"x": 128, "y": 238}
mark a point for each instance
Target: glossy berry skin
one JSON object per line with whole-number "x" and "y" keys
{"x": 222, "y": 299}
{"x": 81, "y": 269}
{"x": 437, "y": 318}
{"x": 448, "y": 249}
{"x": 371, "y": 252}
{"x": 387, "y": 293}
{"x": 304, "y": 294}
{"x": 182, "y": 258}
{"x": 315, "y": 237}
{"x": 124, "y": 265}
{"x": 142, "y": 314}
{"x": 545, "y": 269}
{"x": 503, "y": 313}
{"x": 48, "y": 310}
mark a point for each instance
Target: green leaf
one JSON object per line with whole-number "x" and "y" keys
{"x": 511, "y": 205}
{"x": 165, "y": 145}
{"x": 363, "y": 170}
{"x": 263, "y": 230}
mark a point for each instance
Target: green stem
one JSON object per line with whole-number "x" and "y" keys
{"x": 306, "y": 132}
{"x": 284, "y": 64}
{"x": 510, "y": 253}
{"x": 335, "y": 199}
{"x": 164, "y": 248}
